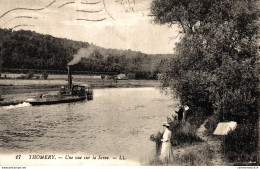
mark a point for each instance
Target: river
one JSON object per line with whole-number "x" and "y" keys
{"x": 118, "y": 122}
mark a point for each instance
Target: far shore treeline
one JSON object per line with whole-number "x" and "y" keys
{"x": 24, "y": 50}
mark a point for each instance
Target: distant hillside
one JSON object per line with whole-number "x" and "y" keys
{"x": 30, "y": 50}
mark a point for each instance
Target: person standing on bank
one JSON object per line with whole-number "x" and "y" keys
{"x": 185, "y": 113}
{"x": 166, "y": 151}
{"x": 180, "y": 113}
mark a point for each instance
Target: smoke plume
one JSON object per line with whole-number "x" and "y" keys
{"x": 83, "y": 53}
{"x": 87, "y": 52}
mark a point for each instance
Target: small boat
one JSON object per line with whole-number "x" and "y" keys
{"x": 73, "y": 93}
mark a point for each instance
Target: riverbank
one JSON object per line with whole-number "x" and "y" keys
{"x": 16, "y": 91}
{"x": 206, "y": 151}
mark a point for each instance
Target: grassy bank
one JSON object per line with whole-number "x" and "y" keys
{"x": 189, "y": 155}
{"x": 195, "y": 145}
{"x": 192, "y": 146}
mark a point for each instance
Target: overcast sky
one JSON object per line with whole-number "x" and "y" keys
{"x": 119, "y": 24}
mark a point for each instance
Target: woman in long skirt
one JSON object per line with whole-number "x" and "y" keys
{"x": 166, "y": 151}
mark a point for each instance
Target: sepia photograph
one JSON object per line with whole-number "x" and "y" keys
{"x": 129, "y": 83}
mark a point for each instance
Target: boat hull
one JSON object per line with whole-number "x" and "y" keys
{"x": 55, "y": 101}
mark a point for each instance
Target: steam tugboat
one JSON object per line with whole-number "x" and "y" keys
{"x": 72, "y": 93}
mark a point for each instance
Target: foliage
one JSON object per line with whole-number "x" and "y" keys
{"x": 29, "y": 50}
{"x": 130, "y": 75}
{"x": 211, "y": 124}
{"x": 30, "y": 74}
{"x": 157, "y": 139}
{"x": 182, "y": 133}
{"x": 241, "y": 144}
{"x": 201, "y": 156}
{"x": 217, "y": 54}
{"x": 45, "y": 75}
{"x": 185, "y": 133}
{"x": 216, "y": 65}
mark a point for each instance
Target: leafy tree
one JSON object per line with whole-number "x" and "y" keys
{"x": 216, "y": 63}
{"x": 217, "y": 36}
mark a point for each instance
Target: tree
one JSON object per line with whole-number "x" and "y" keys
{"x": 45, "y": 75}
{"x": 215, "y": 34}
{"x": 216, "y": 63}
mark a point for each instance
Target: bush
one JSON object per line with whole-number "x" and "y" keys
{"x": 216, "y": 64}
{"x": 194, "y": 156}
{"x": 45, "y": 75}
{"x": 131, "y": 75}
{"x": 158, "y": 143}
{"x": 199, "y": 156}
{"x": 103, "y": 77}
{"x": 185, "y": 133}
{"x": 198, "y": 115}
{"x": 22, "y": 77}
{"x": 142, "y": 75}
{"x": 181, "y": 134}
{"x": 211, "y": 124}
{"x": 241, "y": 144}
{"x": 30, "y": 74}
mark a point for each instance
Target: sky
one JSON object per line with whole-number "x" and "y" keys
{"x": 116, "y": 24}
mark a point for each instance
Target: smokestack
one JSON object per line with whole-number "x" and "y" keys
{"x": 69, "y": 78}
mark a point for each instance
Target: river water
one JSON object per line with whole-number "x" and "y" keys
{"x": 118, "y": 122}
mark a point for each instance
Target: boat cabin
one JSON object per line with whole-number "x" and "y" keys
{"x": 78, "y": 90}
